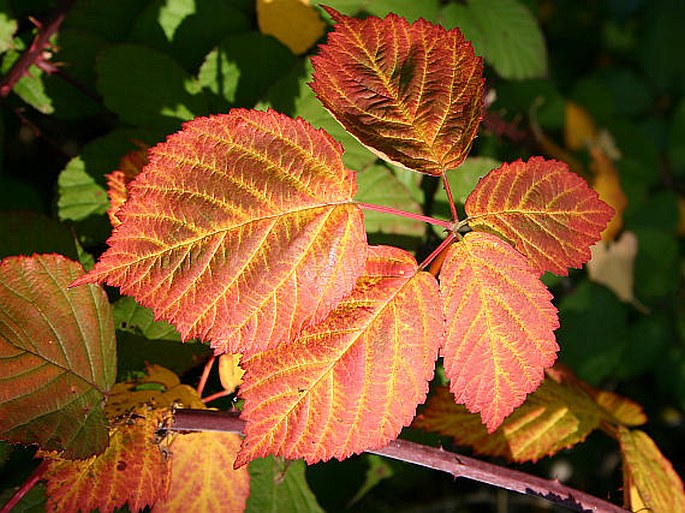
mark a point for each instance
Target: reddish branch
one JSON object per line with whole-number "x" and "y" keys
{"x": 430, "y": 457}
{"x": 36, "y": 51}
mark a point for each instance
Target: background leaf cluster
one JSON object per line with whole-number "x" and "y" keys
{"x": 127, "y": 73}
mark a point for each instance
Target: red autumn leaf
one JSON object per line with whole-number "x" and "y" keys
{"x": 57, "y": 356}
{"x": 410, "y": 92}
{"x": 129, "y": 167}
{"x": 133, "y": 470}
{"x": 545, "y": 211}
{"x": 353, "y": 381}
{"x": 207, "y": 483}
{"x": 500, "y": 326}
{"x": 240, "y": 231}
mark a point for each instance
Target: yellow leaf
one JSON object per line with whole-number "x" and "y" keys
{"x": 159, "y": 387}
{"x": 612, "y": 265}
{"x": 579, "y": 130}
{"x": 230, "y": 372}
{"x": 207, "y": 483}
{"x": 618, "y": 409}
{"x": 294, "y": 23}
{"x": 608, "y": 186}
{"x": 650, "y": 482}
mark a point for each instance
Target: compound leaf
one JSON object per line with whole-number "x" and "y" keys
{"x": 133, "y": 470}
{"x": 208, "y": 483}
{"x": 649, "y": 481}
{"x": 500, "y": 326}
{"x": 57, "y": 356}
{"x": 240, "y": 231}
{"x": 354, "y": 380}
{"x": 548, "y": 213}
{"x": 410, "y": 92}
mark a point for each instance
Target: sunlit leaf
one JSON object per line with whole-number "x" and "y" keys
{"x": 412, "y": 93}
{"x": 207, "y": 483}
{"x": 129, "y": 167}
{"x": 294, "y": 23}
{"x": 240, "y": 231}
{"x": 354, "y": 380}
{"x": 607, "y": 184}
{"x": 230, "y": 371}
{"x": 79, "y": 196}
{"x": 612, "y": 264}
{"x": 133, "y": 470}
{"x": 57, "y": 356}
{"x": 556, "y": 416}
{"x": 548, "y": 213}
{"x": 130, "y": 316}
{"x": 649, "y": 479}
{"x": 500, "y": 326}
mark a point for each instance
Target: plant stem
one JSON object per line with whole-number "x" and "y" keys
{"x": 216, "y": 395}
{"x": 25, "y": 487}
{"x": 35, "y": 51}
{"x": 205, "y": 375}
{"x": 450, "y": 198}
{"x": 436, "y": 252}
{"x": 430, "y": 457}
{"x": 403, "y": 213}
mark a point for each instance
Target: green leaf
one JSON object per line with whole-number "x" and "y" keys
{"x": 187, "y": 29}
{"x": 676, "y": 148}
{"x": 280, "y": 486}
{"x": 593, "y": 332}
{"x": 235, "y": 70}
{"x": 504, "y": 32}
{"x": 79, "y": 197}
{"x": 379, "y": 185}
{"x": 25, "y": 233}
{"x": 647, "y": 346}
{"x": 59, "y": 356}
{"x": 409, "y": 9}
{"x": 110, "y": 21}
{"x": 8, "y": 26}
{"x": 147, "y": 88}
{"x": 132, "y": 317}
{"x": 656, "y": 265}
{"x": 378, "y": 470}
{"x": 462, "y": 181}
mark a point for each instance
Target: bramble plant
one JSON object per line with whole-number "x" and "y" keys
{"x": 242, "y": 231}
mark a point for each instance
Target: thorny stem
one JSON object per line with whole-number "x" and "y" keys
{"x": 411, "y": 215}
{"x": 25, "y": 487}
{"x": 35, "y": 51}
{"x": 205, "y": 375}
{"x": 429, "y": 457}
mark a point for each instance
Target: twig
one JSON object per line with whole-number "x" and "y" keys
{"x": 430, "y": 457}
{"x": 35, "y": 51}
{"x": 25, "y": 487}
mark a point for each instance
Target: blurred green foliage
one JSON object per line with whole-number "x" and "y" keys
{"x": 126, "y": 72}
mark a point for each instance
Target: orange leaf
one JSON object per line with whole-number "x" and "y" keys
{"x": 230, "y": 371}
{"x": 544, "y": 210}
{"x": 160, "y": 388}
{"x": 579, "y": 128}
{"x": 207, "y": 483}
{"x": 129, "y": 167}
{"x": 554, "y": 417}
{"x": 411, "y": 93}
{"x": 608, "y": 185}
{"x": 133, "y": 470}
{"x": 500, "y": 326}
{"x": 240, "y": 231}
{"x": 353, "y": 381}
{"x": 649, "y": 479}
{"x": 57, "y": 356}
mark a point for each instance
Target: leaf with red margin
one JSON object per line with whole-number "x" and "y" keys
{"x": 556, "y": 416}
{"x": 649, "y": 481}
{"x": 129, "y": 167}
{"x": 545, "y": 211}
{"x": 500, "y": 326}
{"x": 208, "y": 483}
{"x": 412, "y": 93}
{"x": 57, "y": 356}
{"x": 133, "y": 470}
{"x": 240, "y": 231}
{"x": 353, "y": 381}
